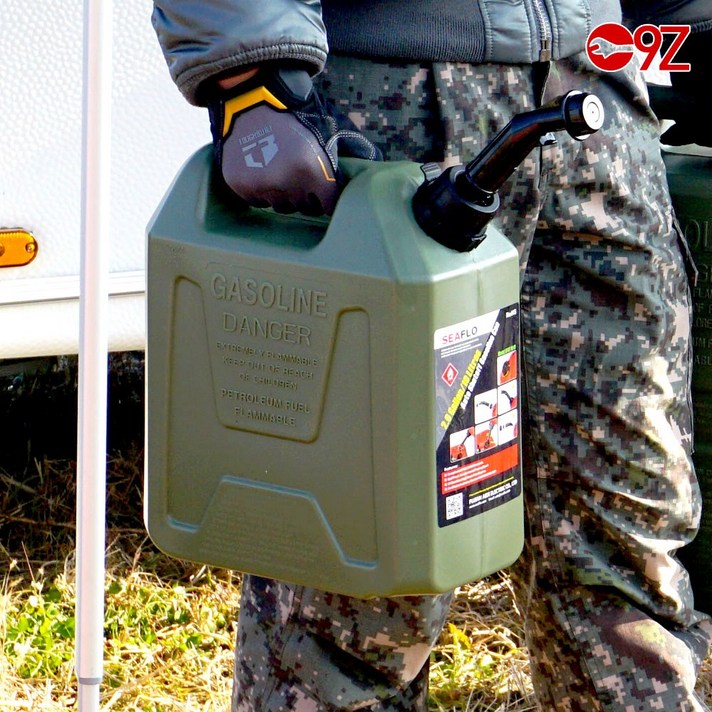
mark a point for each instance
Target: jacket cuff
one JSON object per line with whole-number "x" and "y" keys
{"x": 196, "y": 83}
{"x": 204, "y": 38}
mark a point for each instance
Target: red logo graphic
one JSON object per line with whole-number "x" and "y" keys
{"x": 450, "y": 374}
{"x": 611, "y": 46}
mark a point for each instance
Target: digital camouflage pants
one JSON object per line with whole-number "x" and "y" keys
{"x": 610, "y": 491}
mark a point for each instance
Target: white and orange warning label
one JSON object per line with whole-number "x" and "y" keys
{"x": 477, "y": 419}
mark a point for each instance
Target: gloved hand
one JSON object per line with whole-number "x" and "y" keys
{"x": 691, "y": 90}
{"x": 277, "y": 143}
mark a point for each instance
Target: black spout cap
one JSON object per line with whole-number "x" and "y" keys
{"x": 450, "y": 211}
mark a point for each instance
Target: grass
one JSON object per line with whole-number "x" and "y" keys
{"x": 168, "y": 644}
{"x": 169, "y": 626}
{"x": 480, "y": 662}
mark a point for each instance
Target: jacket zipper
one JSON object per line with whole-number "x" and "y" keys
{"x": 545, "y": 31}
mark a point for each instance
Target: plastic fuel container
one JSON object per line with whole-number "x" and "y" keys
{"x": 329, "y": 401}
{"x": 336, "y": 402}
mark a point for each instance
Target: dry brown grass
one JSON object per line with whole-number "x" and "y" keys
{"x": 480, "y": 662}
{"x": 170, "y": 626}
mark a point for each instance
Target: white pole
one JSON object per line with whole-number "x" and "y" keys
{"x": 93, "y": 354}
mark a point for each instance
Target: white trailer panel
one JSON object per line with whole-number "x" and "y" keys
{"x": 154, "y": 131}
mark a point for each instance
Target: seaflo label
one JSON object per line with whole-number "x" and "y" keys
{"x": 477, "y": 418}
{"x": 268, "y": 337}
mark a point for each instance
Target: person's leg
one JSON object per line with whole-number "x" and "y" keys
{"x": 302, "y": 650}
{"x": 311, "y": 651}
{"x": 610, "y": 490}
{"x": 611, "y": 493}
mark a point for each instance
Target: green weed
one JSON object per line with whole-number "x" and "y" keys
{"x": 38, "y": 635}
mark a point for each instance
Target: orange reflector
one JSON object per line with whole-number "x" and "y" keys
{"x": 17, "y": 247}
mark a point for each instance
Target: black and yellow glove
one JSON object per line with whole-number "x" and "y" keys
{"x": 277, "y": 143}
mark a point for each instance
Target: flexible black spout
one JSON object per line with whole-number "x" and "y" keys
{"x": 577, "y": 113}
{"x": 454, "y": 206}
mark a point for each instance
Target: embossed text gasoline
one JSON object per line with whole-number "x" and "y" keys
{"x": 251, "y": 292}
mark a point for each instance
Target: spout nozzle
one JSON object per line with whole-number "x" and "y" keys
{"x": 577, "y": 113}
{"x": 583, "y": 114}
{"x": 448, "y": 210}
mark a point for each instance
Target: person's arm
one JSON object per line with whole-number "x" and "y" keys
{"x": 204, "y": 40}
{"x": 250, "y": 62}
{"x": 233, "y": 79}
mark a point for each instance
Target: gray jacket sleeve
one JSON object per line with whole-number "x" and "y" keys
{"x": 202, "y": 38}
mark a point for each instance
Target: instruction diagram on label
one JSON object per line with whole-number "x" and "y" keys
{"x": 477, "y": 420}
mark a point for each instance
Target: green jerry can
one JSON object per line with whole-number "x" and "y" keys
{"x": 690, "y": 180}
{"x": 335, "y": 402}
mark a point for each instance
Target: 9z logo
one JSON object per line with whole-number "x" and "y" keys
{"x": 611, "y": 46}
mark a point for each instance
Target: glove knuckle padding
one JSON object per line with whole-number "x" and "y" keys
{"x": 276, "y": 143}
{"x": 269, "y": 156}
